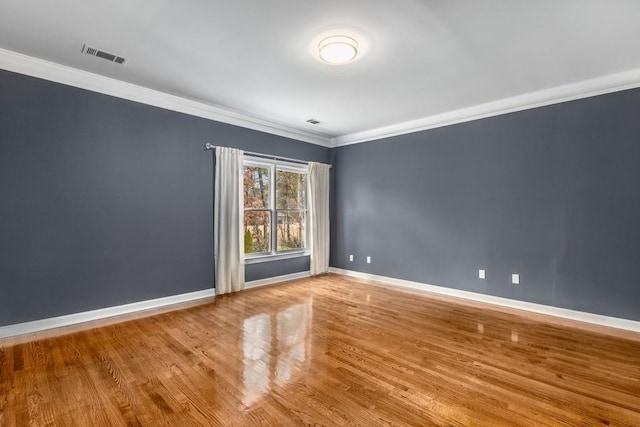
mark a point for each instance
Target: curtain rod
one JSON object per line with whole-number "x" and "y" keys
{"x": 209, "y": 146}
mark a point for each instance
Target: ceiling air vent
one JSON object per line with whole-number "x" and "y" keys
{"x": 314, "y": 121}
{"x": 102, "y": 54}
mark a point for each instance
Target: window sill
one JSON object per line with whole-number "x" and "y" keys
{"x": 276, "y": 257}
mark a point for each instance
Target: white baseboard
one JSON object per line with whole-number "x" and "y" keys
{"x": 597, "y": 319}
{"x": 88, "y": 316}
{"x": 103, "y": 313}
{"x": 277, "y": 279}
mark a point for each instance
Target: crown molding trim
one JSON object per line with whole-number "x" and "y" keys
{"x": 47, "y": 70}
{"x": 569, "y": 92}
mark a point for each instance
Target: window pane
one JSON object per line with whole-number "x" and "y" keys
{"x": 256, "y": 187}
{"x": 257, "y": 232}
{"x": 291, "y": 230}
{"x": 291, "y": 190}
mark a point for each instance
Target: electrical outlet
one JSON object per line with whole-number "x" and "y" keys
{"x": 368, "y": 260}
{"x": 515, "y": 279}
{"x": 351, "y": 258}
{"x": 481, "y": 274}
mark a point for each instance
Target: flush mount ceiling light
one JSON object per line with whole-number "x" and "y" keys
{"x": 339, "y": 45}
{"x": 338, "y": 49}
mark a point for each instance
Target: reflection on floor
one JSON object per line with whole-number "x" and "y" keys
{"x": 291, "y": 337}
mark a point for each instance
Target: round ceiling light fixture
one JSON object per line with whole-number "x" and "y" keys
{"x": 338, "y": 49}
{"x": 339, "y": 45}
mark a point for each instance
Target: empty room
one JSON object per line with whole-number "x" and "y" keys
{"x": 330, "y": 213}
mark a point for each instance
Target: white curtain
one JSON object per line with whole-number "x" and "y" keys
{"x": 319, "y": 217}
{"x": 228, "y": 221}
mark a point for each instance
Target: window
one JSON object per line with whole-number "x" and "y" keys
{"x": 275, "y": 207}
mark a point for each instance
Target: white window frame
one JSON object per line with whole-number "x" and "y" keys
{"x": 273, "y": 166}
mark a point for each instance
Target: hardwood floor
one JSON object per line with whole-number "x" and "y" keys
{"x": 324, "y": 351}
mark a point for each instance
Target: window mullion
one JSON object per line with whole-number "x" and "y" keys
{"x": 274, "y": 211}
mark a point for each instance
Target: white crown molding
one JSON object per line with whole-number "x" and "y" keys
{"x": 40, "y": 68}
{"x": 276, "y": 279}
{"x": 569, "y": 92}
{"x": 597, "y": 319}
{"x": 103, "y": 313}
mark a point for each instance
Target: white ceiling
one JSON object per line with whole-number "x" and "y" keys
{"x": 425, "y": 57}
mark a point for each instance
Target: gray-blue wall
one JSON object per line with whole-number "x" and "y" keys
{"x": 551, "y": 193}
{"x": 104, "y": 201}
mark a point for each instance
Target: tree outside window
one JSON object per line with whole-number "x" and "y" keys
{"x": 281, "y": 207}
